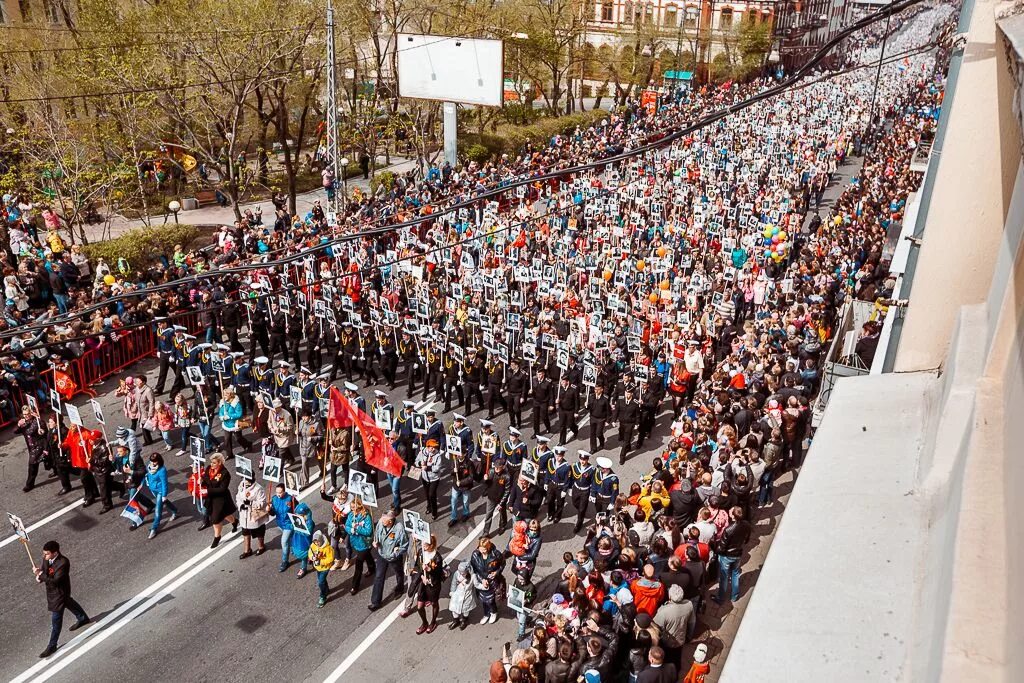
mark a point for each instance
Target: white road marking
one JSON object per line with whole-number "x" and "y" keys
{"x": 390, "y": 619}
{"x": 45, "y": 520}
{"x": 137, "y": 606}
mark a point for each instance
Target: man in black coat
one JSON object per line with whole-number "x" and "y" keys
{"x": 600, "y": 409}
{"x": 627, "y": 414}
{"x": 658, "y": 671}
{"x": 684, "y": 504}
{"x": 568, "y": 403}
{"x": 516, "y": 385}
{"x": 55, "y": 572}
{"x": 543, "y": 398}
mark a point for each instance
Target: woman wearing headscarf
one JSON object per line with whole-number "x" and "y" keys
{"x": 302, "y": 538}
{"x": 462, "y": 596}
{"x": 219, "y": 504}
{"x": 322, "y": 556}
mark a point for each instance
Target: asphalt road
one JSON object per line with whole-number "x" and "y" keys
{"x": 171, "y": 606}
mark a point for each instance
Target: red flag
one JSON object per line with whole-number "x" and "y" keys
{"x": 66, "y": 386}
{"x": 339, "y": 411}
{"x": 377, "y": 450}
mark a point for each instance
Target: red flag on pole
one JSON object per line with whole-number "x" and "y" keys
{"x": 377, "y": 450}
{"x": 339, "y": 411}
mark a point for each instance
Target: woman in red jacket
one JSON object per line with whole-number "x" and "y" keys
{"x": 78, "y": 444}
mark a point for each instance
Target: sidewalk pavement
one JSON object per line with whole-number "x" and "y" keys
{"x": 218, "y": 215}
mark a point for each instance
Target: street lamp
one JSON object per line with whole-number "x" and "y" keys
{"x": 174, "y": 207}
{"x": 344, "y": 177}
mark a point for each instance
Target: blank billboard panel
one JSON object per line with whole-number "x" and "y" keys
{"x": 466, "y": 70}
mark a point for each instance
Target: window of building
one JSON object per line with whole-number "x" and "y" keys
{"x": 672, "y": 16}
{"x": 26, "y": 10}
{"x": 725, "y": 18}
{"x": 3, "y": 12}
{"x": 607, "y": 11}
{"x": 690, "y": 18}
{"x": 52, "y": 8}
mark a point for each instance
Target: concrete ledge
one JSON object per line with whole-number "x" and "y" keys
{"x": 837, "y": 594}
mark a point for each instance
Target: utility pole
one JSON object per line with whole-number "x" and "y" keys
{"x": 878, "y": 76}
{"x": 332, "y": 106}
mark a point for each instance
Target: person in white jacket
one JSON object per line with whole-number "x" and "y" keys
{"x": 253, "y": 513}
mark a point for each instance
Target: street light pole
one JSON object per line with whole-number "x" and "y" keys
{"x": 878, "y": 75}
{"x": 332, "y": 102}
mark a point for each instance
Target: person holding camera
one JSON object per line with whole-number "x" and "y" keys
{"x": 253, "y": 512}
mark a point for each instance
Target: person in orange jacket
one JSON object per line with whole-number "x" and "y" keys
{"x": 700, "y": 668}
{"x": 78, "y": 443}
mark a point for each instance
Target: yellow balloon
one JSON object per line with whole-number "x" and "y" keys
{"x": 109, "y": 279}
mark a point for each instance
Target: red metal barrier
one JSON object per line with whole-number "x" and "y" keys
{"x": 103, "y": 362}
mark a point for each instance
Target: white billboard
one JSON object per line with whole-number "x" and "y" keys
{"x": 466, "y": 70}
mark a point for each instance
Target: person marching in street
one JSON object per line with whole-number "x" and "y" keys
{"x": 568, "y": 402}
{"x": 78, "y": 443}
{"x": 321, "y": 555}
{"x": 430, "y": 570}
{"x": 488, "y": 563}
{"x": 652, "y": 399}
{"x": 341, "y": 507}
{"x": 495, "y": 372}
{"x": 627, "y": 414}
{"x": 498, "y": 489}
{"x": 60, "y": 457}
{"x": 34, "y": 433}
{"x": 459, "y": 428}
{"x": 582, "y": 473}
{"x": 281, "y": 504}
{"x": 452, "y": 377}
{"x": 55, "y": 572}
{"x": 435, "y": 428}
{"x": 514, "y": 451}
{"x": 102, "y": 466}
{"x": 462, "y": 483}
{"x": 431, "y": 463}
{"x": 156, "y": 482}
{"x": 310, "y": 433}
{"x": 600, "y": 409}
{"x": 164, "y": 352}
{"x": 473, "y": 375}
{"x": 558, "y": 482}
{"x": 147, "y": 408}
{"x": 486, "y": 447}
{"x": 461, "y": 597}
{"x": 219, "y": 504}
{"x": 359, "y": 527}
{"x": 543, "y": 399}
{"x": 517, "y": 384}
{"x": 527, "y": 499}
{"x": 605, "y": 488}
{"x": 282, "y": 429}
{"x": 253, "y": 508}
{"x": 183, "y": 420}
{"x": 390, "y": 544}
{"x": 230, "y": 413}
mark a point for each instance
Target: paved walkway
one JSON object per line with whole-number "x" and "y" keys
{"x": 218, "y": 215}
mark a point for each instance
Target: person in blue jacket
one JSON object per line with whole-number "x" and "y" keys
{"x": 156, "y": 480}
{"x": 359, "y": 526}
{"x": 282, "y": 503}
{"x": 301, "y": 539}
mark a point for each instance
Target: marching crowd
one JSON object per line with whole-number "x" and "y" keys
{"x": 697, "y": 282}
